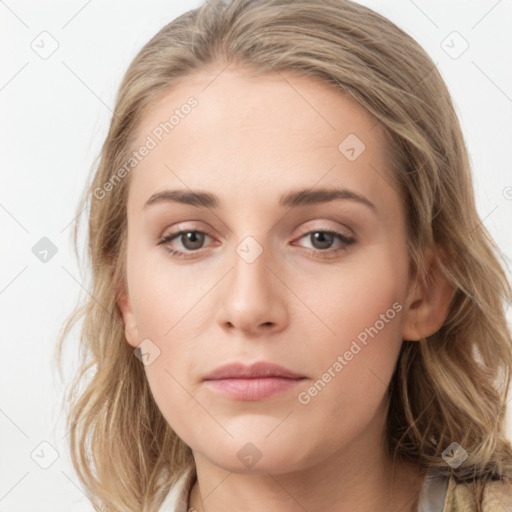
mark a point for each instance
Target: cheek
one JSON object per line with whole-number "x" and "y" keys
{"x": 361, "y": 308}
{"x": 352, "y": 297}
{"x": 171, "y": 312}
{"x": 164, "y": 296}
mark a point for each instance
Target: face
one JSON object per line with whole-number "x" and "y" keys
{"x": 315, "y": 283}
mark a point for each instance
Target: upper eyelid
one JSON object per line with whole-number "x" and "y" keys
{"x": 180, "y": 228}
{"x": 326, "y": 229}
{"x": 302, "y": 232}
{"x": 180, "y": 231}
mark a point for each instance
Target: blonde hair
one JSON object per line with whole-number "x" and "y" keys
{"x": 449, "y": 387}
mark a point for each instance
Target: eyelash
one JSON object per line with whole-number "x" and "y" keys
{"x": 347, "y": 241}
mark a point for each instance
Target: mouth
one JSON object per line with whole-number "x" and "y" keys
{"x": 254, "y": 382}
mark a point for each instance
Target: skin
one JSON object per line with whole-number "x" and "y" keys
{"x": 250, "y": 140}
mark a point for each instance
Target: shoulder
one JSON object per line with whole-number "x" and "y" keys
{"x": 497, "y": 497}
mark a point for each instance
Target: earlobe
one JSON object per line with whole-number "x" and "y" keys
{"x": 428, "y": 302}
{"x": 130, "y": 326}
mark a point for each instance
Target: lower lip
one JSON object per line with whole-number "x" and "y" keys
{"x": 253, "y": 389}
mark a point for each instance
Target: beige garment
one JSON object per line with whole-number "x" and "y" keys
{"x": 439, "y": 494}
{"x": 497, "y": 497}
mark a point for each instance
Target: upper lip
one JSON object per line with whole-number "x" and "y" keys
{"x": 260, "y": 369}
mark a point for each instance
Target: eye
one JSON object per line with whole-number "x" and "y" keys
{"x": 322, "y": 241}
{"x": 191, "y": 240}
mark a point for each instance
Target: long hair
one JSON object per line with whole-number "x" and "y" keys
{"x": 451, "y": 386}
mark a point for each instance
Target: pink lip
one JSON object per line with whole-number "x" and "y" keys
{"x": 254, "y": 382}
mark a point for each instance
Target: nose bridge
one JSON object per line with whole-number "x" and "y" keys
{"x": 250, "y": 266}
{"x": 251, "y": 238}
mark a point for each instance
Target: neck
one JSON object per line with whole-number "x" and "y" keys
{"x": 359, "y": 477}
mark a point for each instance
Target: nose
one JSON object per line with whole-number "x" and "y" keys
{"x": 253, "y": 296}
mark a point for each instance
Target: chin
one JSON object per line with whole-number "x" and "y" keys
{"x": 256, "y": 455}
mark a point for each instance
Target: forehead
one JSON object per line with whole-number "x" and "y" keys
{"x": 235, "y": 99}
{"x": 256, "y": 132}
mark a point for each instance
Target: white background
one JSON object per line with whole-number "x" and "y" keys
{"x": 55, "y": 114}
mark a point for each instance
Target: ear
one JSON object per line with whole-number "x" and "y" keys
{"x": 130, "y": 326}
{"x": 428, "y": 300}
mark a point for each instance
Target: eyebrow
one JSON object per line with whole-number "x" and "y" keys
{"x": 291, "y": 199}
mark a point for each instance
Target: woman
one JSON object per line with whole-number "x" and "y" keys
{"x": 294, "y": 302}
